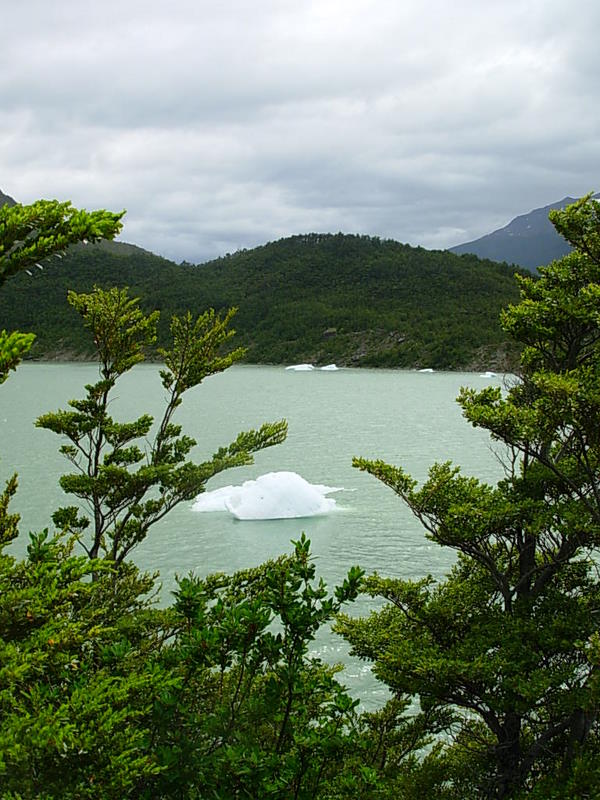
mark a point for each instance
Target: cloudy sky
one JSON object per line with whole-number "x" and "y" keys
{"x": 222, "y": 125}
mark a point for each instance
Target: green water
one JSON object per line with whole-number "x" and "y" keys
{"x": 405, "y": 418}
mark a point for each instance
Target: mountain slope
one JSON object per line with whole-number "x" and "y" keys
{"x": 354, "y": 300}
{"x": 6, "y": 199}
{"x": 529, "y": 240}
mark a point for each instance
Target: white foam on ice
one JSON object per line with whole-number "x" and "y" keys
{"x": 276, "y": 495}
{"x": 301, "y": 367}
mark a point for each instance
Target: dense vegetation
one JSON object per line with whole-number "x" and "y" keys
{"x": 352, "y": 300}
{"x": 105, "y": 695}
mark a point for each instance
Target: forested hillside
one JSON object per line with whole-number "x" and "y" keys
{"x": 355, "y": 300}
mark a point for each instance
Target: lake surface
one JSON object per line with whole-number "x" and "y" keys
{"x": 405, "y": 418}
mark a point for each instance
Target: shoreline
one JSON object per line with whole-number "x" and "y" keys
{"x": 65, "y": 360}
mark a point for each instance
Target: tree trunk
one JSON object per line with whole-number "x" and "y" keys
{"x": 508, "y": 758}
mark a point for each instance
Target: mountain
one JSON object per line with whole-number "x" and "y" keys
{"x": 5, "y": 199}
{"x": 529, "y": 240}
{"x": 320, "y": 298}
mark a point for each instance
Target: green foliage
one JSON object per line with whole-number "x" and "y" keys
{"x": 29, "y": 234}
{"x": 580, "y": 226}
{"x": 119, "y": 328}
{"x": 8, "y": 522}
{"x": 104, "y": 696}
{"x": 127, "y": 489}
{"x": 499, "y": 642}
{"x": 79, "y": 676}
{"x": 255, "y": 714}
{"x": 387, "y": 758}
{"x": 13, "y": 346}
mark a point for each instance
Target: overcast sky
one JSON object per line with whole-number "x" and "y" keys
{"x": 222, "y": 125}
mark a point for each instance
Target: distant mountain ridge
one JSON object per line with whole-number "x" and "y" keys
{"x": 529, "y": 240}
{"x": 320, "y": 298}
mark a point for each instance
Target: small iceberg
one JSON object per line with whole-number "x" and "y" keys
{"x": 488, "y": 374}
{"x": 276, "y": 495}
{"x": 329, "y": 368}
{"x": 301, "y": 367}
{"x": 428, "y": 369}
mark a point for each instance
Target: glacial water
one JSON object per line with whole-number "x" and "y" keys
{"x": 406, "y": 418}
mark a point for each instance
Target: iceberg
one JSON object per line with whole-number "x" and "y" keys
{"x": 329, "y": 368}
{"x": 301, "y": 367}
{"x": 488, "y": 374}
{"x": 428, "y": 369}
{"x": 276, "y": 495}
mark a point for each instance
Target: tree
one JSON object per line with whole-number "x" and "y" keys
{"x": 253, "y": 714}
{"x": 28, "y": 235}
{"x": 31, "y": 233}
{"x": 80, "y": 674}
{"x": 126, "y": 489}
{"x": 69, "y": 721}
{"x": 501, "y": 641}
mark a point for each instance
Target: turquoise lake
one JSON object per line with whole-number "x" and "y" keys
{"x": 406, "y": 418}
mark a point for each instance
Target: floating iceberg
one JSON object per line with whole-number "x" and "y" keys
{"x": 488, "y": 374}
{"x": 276, "y": 495}
{"x": 301, "y": 367}
{"x": 428, "y": 369}
{"x": 329, "y": 368}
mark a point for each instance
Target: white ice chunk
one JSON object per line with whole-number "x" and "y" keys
{"x": 301, "y": 367}
{"x": 488, "y": 374}
{"x": 276, "y": 495}
{"x": 329, "y": 368}
{"x": 215, "y": 500}
{"x": 428, "y": 369}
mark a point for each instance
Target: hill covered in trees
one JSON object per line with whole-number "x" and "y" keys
{"x": 353, "y": 300}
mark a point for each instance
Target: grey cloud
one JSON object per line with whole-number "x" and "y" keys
{"x": 223, "y": 126}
